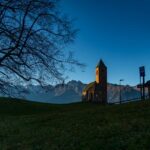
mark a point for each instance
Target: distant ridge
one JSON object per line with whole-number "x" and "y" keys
{"x": 71, "y": 92}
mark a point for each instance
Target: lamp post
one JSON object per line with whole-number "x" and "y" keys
{"x": 120, "y": 81}
{"x": 142, "y": 76}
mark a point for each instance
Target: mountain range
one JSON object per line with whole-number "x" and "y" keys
{"x": 71, "y": 92}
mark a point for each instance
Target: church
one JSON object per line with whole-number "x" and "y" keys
{"x": 97, "y": 91}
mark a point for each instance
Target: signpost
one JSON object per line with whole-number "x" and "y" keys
{"x": 142, "y": 79}
{"x": 142, "y": 71}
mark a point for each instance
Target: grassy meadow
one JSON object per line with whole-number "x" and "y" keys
{"x": 81, "y": 126}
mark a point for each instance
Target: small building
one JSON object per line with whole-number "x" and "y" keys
{"x": 97, "y": 91}
{"x": 147, "y": 86}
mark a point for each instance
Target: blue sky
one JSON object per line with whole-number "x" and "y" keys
{"x": 117, "y": 31}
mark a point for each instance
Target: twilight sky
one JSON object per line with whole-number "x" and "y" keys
{"x": 118, "y": 31}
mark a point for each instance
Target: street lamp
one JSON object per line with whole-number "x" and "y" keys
{"x": 120, "y": 81}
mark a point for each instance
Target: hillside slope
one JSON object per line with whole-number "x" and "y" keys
{"x": 80, "y": 126}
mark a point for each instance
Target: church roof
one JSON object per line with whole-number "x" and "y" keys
{"x": 101, "y": 64}
{"x": 90, "y": 85}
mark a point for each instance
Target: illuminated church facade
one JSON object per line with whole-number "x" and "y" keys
{"x": 97, "y": 91}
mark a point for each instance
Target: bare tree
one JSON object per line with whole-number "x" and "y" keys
{"x": 33, "y": 35}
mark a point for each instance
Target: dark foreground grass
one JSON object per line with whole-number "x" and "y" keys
{"x": 26, "y": 125}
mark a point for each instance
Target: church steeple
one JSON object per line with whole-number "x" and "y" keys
{"x": 100, "y": 64}
{"x": 100, "y": 71}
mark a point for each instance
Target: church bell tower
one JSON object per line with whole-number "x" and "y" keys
{"x": 101, "y": 81}
{"x": 101, "y": 73}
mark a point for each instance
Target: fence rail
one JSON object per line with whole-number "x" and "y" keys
{"x": 129, "y": 100}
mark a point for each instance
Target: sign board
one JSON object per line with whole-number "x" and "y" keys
{"x": 142, "y": 71}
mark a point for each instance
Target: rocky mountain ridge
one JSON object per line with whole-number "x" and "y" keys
{"x": 71, "y": 92}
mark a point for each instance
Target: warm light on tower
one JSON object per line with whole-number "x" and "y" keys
{"x": 97, "y": 75}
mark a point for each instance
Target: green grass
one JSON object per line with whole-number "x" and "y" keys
{"x": 82, "y": 126}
